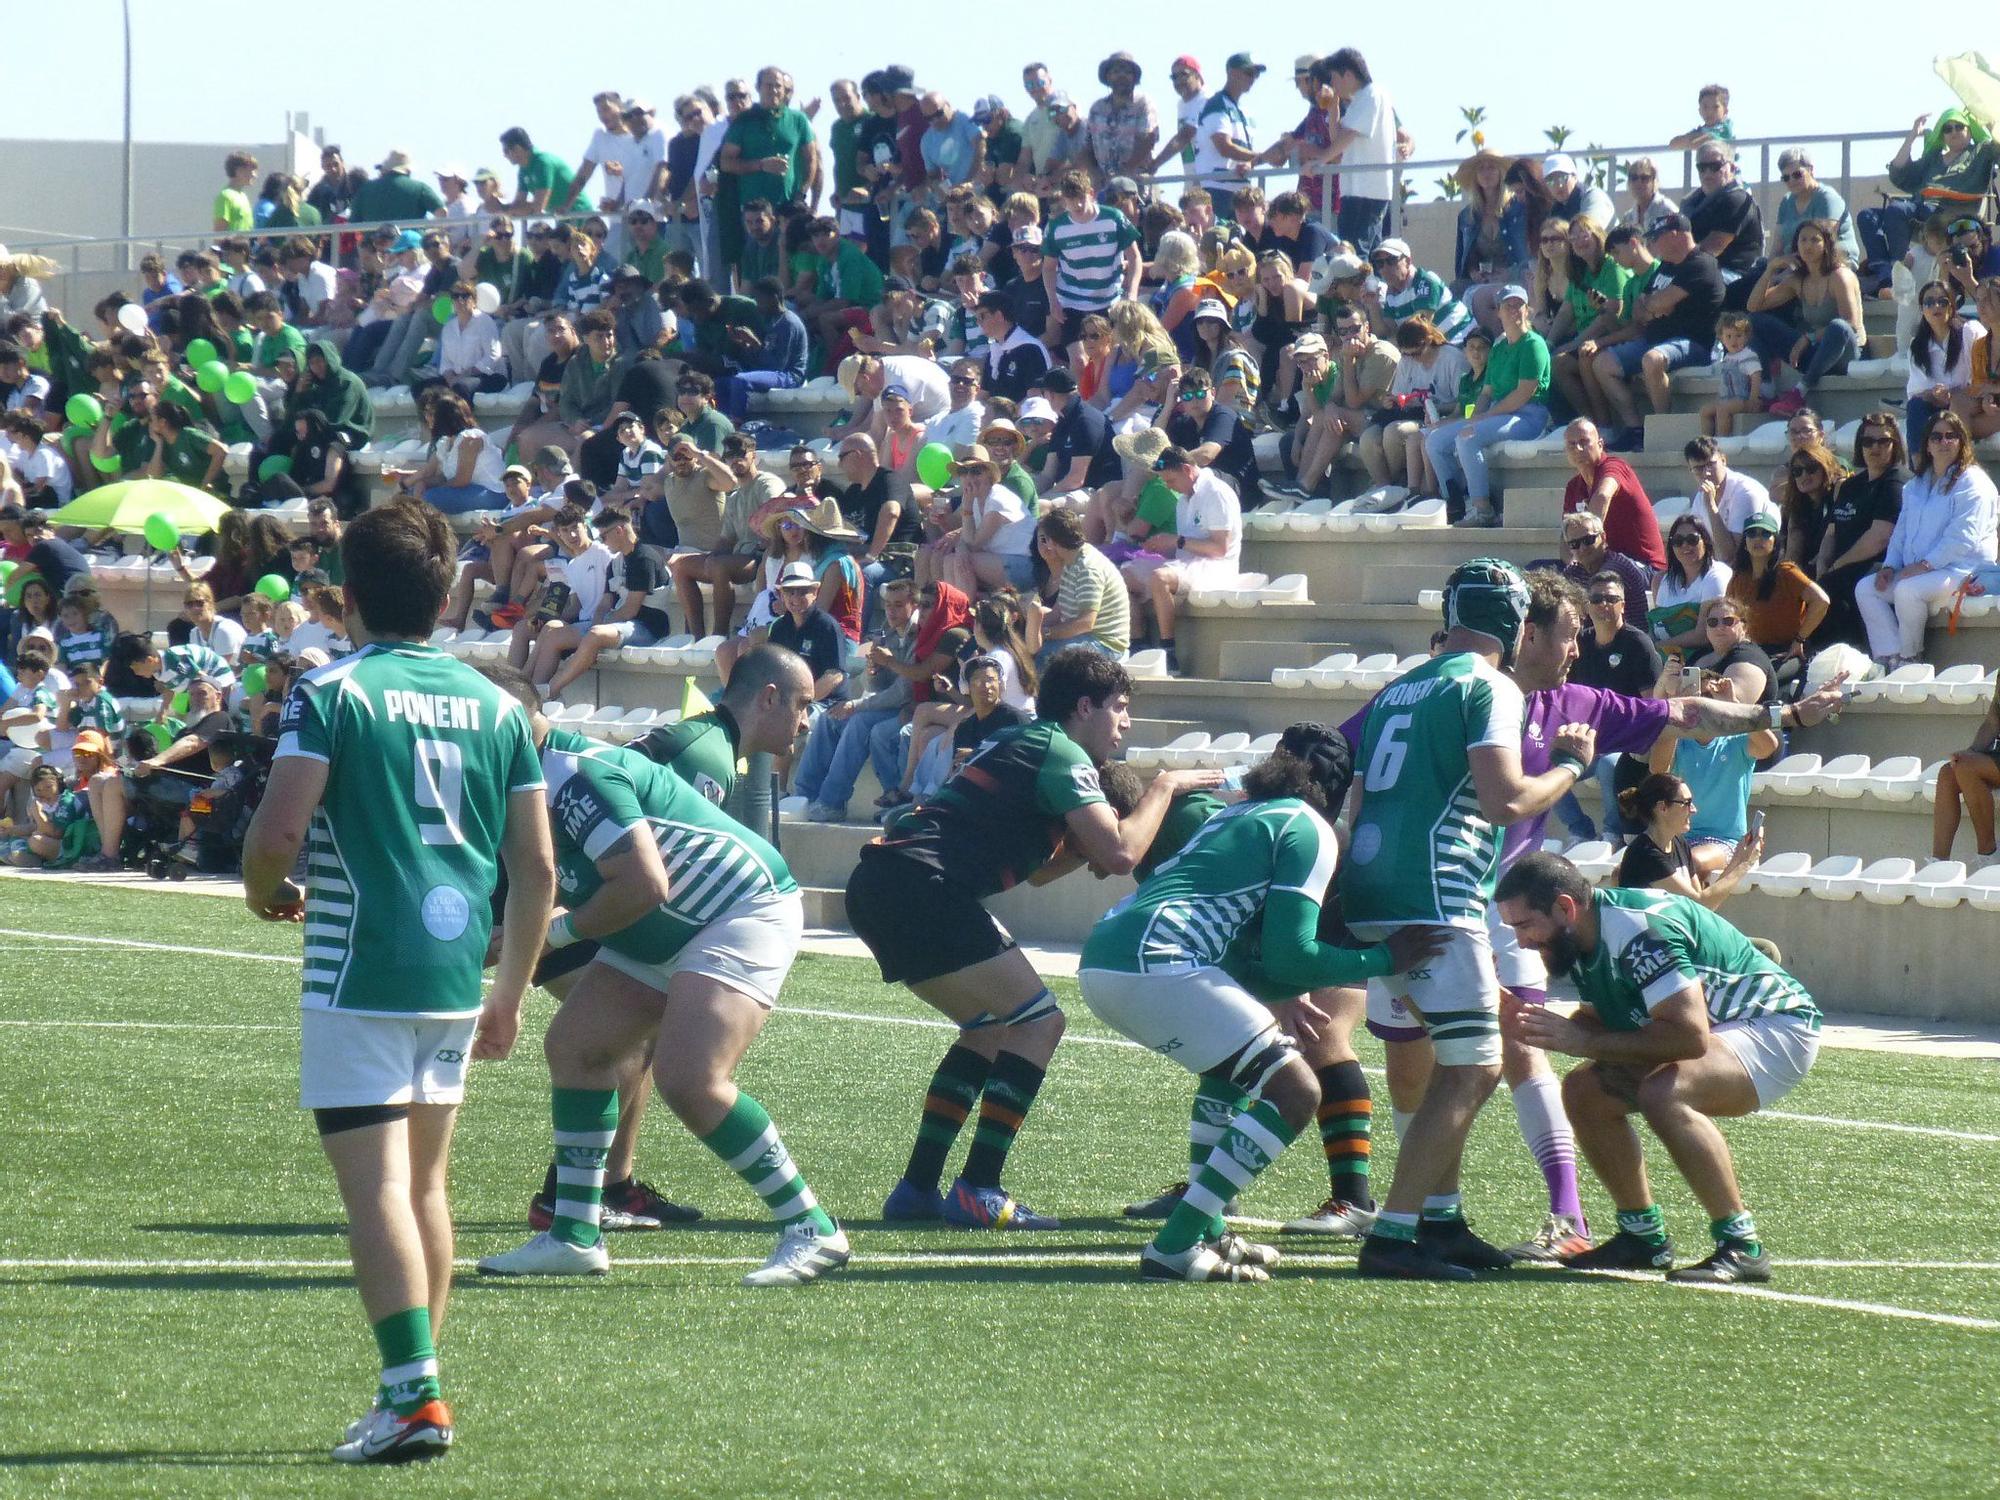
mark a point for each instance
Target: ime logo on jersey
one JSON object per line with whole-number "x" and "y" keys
{"x": 432, "y": 710}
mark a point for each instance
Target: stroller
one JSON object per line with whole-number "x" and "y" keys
{"x": 177, "y": 821}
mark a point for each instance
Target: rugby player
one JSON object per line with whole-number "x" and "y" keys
{"x": 1683, "y": 1022}
{"x": 698, "y": 921}
{"x": 1027, "y": 806}
{"x": 416, "y": 779}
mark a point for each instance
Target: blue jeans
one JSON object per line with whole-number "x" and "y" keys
{"x": 1051, "y": 649}
{"x": 1918, "y": 414}
{"x": 1831, "y": 353}
{"x": 836, "y": 749}
{"x": 732, "y": 392}
{"x": 933, "y": 767}
{"x": 457, "y": 499}
{"x": 872, "y": 574}
{"x": 1885, "y": 236}
{"x": 1458, "y": 449}
{"x": 1364, "y": 221}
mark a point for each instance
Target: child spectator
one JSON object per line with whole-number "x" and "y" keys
{"x": 1713, "y": 105}
{"x": 285, "y": 621}
{"x": 1741, "y": 374}
{"x": 84, "y": 631}
{"x": 326, "y": 621}
{"x": 31, "y": 706}
{"x": 86, "y": 705}
{"x": 37, "y": 840}
{"x": 260, "y": 639}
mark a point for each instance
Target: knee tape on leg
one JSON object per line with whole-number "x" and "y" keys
{"x": 1040, "y": 1004}
{"x": 356, "y": 1117}
{"x": 1252, "y": 1068}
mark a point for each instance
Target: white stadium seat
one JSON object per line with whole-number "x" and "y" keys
{"x": 1940, "y": 883}
{"x": 1889, "y": 882}
{"x": 1836, "y": 878}
{"x": 1782, "y": 874}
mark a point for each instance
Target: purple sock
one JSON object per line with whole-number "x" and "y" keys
{"x": 1539, "y": 1110}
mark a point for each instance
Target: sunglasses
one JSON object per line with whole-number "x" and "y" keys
{"x": 1944, "y": 437}
{"x": 1878, "y": 440}
{"x": 1580, "y": 543}
{"x": 789, "y": 525}
{"x": 1803, "y": 471}
{"x": 1640, "y": 176}
{"x": 1795, "y": 176}
{"x": 736, "y": 98}
{"x": 1555, "y": 239}
{"x": 461, "y": 296}
{"x": 963, "y": 380}
{"x": 1950, "y": 125}
{"x": 1607, "y": 600}
{"x": 1931, "y": 304}
{"x": 802, "y": 467}
{"x": 1687, "y": 539}
{"x": 1199, "y": 393}
{"x": 1709, "y": 166}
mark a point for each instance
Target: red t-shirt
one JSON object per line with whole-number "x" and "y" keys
{"x": 1629, "y": 525}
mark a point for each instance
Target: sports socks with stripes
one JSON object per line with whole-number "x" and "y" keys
{"x": 1004, "y": 1103}
{"x": 1644, "y": 1223}
{"x": 749, "y": 1146}
{"x": 585, "y": 1121}
{"x": 1736, "y": 1229}
{"x": 1346, "y": 1119}
{"x": 954, "y": 1089}
{"x": 1216, "y": 1102}
{"x": 409, "y": 1361}
{"x": 1254, "y": 1139}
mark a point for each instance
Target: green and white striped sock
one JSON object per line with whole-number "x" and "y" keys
{"x": 749, "y": 1146}
{"x": 409, "y": 1361}
{"x": 585, "y": 1120}
{"x": 1256, "y": 1137}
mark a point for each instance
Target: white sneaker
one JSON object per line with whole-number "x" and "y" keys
{"x": 545, "y": 1255}
{"x": 1196, "y": 1263}
{"x": 1346, "y": 1220}
{"x": 803, "y": 1254}
{"x": 1559, "y": 1238}
{"x": 360, "y": 1424}
{"x": 386, "y": 1438}
{"x": 1241, "y": 1252}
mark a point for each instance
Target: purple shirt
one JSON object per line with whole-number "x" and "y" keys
{"x": 1624, "y": 725}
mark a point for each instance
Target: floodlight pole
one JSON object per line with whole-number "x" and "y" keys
{"x": 125, "y": 233}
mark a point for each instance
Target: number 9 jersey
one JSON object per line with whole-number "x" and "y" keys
{"x": 422, "y": 754}
{"x": 1420, "y": 850}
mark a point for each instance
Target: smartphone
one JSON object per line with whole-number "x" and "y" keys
{"x": 1755, "y": 829}
{"x": 1691, "y": 681}
{"x": 1232, "y": 779}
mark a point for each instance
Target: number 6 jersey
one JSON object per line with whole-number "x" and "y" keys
{"x": 1421, "y": 851}
{"x": 422, "y": 754}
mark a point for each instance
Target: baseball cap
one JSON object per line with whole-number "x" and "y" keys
{"x": 1122, "y": 186}
{"x": 797, "y": 575}
{"x": 1391, "y": 247}
{"x": 485, "y": 174}
{"x": 635, "y": 107}
{"x": 986, "y": 108}
{"x": 1059, "y": 380}
{"x": 1059, "y": 99}
{"x": 1029, "y": 234}
{"x": 896, "y": 392}
{"x": 522, "y": 469}
{"x": 898, "y": 79}
{"x": 1187, "y": 62}
{"x": 1243, "y": 62}
{"x": 1667, "y": 224}
{"x": 1308, "y": 343}
{"x": 409, "y": 239}
{"x": 1304, "y": 61}
{"x": 1342, "y": 265}
{"x": 453, "y": 169}
{"x": 551, "y": 457}
{"x": 898, "y": 284}
{"x": 642, "y": 209}
{"x": 1762, "y": 520}
{"x": 628, "y": 273}
{"x": 1513, "y": 291}
{"x": 1558, "y": 161}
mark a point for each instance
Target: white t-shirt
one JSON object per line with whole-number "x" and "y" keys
{"x": 925, "y": 380}
{"x": 1211, "y": 509}
{"x": 958, "y": 429}
{"x": 588, "y": 574}
{"x": 487, "y": 468}
{"x": 1188, "y": 117}
{"x": 1710, "y": 585}
{"x": 225, "y": 638}
{"x": 1221, "y": 116}
{"x": 1016, "y": 533}
{"x": 47, "y": 463}
{"x": 315, "y": 284}
{"x": 711, "y": 146}
{"x": 609, "y": 146}
{"x": 314, "y": 636}
{"x": 34, "y": 388}
{"x": 642, "y": 159}
{"x": 1371, "y": 113}
{"x": 1742, "y": 497}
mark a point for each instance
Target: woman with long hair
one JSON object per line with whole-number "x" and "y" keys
{"x": 1659, "y": 858}
{"x": 462, "y": 471}
{"x": 1176, "y": 264}
{"x": 1811, "y": 479}
{"x": 1821, "y": 298}
{"x": 1230, "y": 364}
{"x": 1945, "y": 530}
{"x": 1979, "y": 401}
{"x": 1782, "y": 607}
{"x": 1284, "y": 309}
{"x": 1859, "y": 522}
{"x": 1940, "y": 360}
{"x": 1548, "y": 283}
{"x": 1694, "y": 576}
{"x": 1425, "y": 385}
{"x": 1591, "y": 308}
{"x": 1138, "y": 336}
{"x": 35, "y": 614}
{"x": 1492, "y": 247}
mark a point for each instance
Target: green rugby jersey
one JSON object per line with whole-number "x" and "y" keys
{"x": 597, "y": 795}
{"x": 422, "y": 754}
{"x": 1421, "y": 850}
{"x": 101, "y": 712}
{"x": 181, "y": 665}
{"x": 998, "y": 820}
{"x": 1089, "y": 257}
{"x": 1185, "y": 815}
{"x": 1196, "y": 905}
{"x": 1651, "y": 945}
{"x": 701, "y": 750}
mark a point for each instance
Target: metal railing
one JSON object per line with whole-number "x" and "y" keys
{"x": 94, "y": 267}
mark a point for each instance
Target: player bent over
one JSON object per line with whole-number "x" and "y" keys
{"x": 1026, "y": 806}
{"x": 1155, "y": 969}
{"x": 1683, "y": 1022}
{"x": 763, "y": 710}
{"x": 415, "y": 779}
{"x": 698, "y": 921}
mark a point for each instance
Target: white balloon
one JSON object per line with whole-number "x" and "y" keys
{"x": 486, "y": 297}
{"x": 132, "y": 318}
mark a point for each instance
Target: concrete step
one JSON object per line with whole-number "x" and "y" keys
{"x": 1670, "y": 432}
{"x": 1398, "y": 583}
{"x": 1150, "y": 731}
{"x": 1534, "y": 506}
{"x": 1255, "y": 661}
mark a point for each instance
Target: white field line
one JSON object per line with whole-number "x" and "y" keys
{"x": 934, "y": 1023}
{"x": 1020, "y": 1258}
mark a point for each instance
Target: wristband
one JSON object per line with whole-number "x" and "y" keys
{"x": 1562, "y": 760}
{"x": 560, "y": 935}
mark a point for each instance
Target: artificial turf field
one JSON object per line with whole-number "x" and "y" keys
{"x": 178, "y": 1319}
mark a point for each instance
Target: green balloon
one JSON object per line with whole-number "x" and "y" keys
{"x": 7, "y": 566}
{"x": 240, "y": 386}
{"x": 104, "y": 463}
{"x": 276, "y": 464}
{"x": 212, "y": 376}
{"x": 76, "y": 434}
{"x": 254, "y": 681}
{"x": 84, "y": 409}
{"x": 162, "y": 736}
{"x": 162, "y": 533}
{"x": 441, "y": 307}
{"x": 274, "y": 588}
{"x": 200, "y": 352}
{"x": 180, "y": 706}
{"x": 934, "y": 464}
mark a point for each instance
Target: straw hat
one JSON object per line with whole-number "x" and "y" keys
{"x": 1140, "y": 447}
{"x": 825, "y": 520}
{"x": 1468, "y": 170}
{"x": 768, "y": 523}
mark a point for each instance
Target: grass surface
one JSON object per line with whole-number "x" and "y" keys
{"x": 940, "y": 1361}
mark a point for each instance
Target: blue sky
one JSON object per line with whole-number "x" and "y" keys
{"x": 415, "y": 76}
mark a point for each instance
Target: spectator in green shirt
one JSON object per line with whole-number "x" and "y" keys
{"x": 1512, "y": 407}
{"x": 769, "y": 152}
{"x": 544, "y": 177}
{"x": 393, "y": 195}
{"x": 233, "y": 213}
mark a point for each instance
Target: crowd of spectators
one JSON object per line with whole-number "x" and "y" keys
{"x": 1053, "y": 370}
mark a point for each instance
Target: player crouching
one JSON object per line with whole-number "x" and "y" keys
{"x": 1684, "y": 1022}
{"x": 1158, "y": 968}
